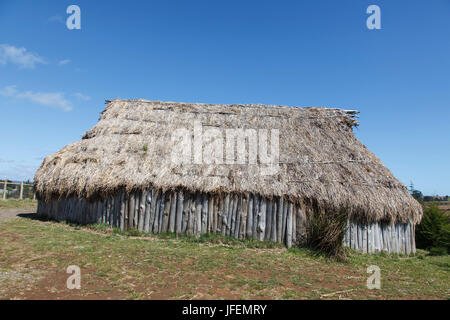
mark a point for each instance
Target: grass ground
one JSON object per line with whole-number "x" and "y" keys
{"x": 20, "y": 204}
{"x": 34, "y": 256}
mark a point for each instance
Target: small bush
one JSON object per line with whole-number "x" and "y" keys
{"x": 433, "y": 233}
{"x": 326, "y": 231}
{"x": 438, "y": 251}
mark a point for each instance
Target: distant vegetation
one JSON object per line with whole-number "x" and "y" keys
{"x": 433, "y": 233}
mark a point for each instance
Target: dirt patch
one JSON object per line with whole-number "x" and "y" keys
{"x": 53, "y": 286}
{"x": 7, "y": 214}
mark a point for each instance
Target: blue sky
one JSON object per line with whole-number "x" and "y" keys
{"x": 53, "y": 81}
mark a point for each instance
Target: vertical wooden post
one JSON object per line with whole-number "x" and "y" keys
{"x": 204, "y": 225}
{"x": 21, "y": 191}
{"x": 237, "y": 226}
{"x": 261, "y": 228}
{"x": 4, "y": 190}
{"x": 173, "y": 211}
{"x": 179, "y": 212}
{"x": 268, "y": 219}
{"x": 131, "y": 210}
{"x": 289, "y": 225}
{"x": 198, "y": 214}
{"x": 274, "y": 220}
{"x": 249, "y": 231}
{"x": 280, "y": 219}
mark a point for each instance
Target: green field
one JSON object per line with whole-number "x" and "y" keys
{"x": 34, "y": 256}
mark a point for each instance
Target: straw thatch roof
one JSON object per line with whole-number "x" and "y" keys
{"x": 320, "y": 159}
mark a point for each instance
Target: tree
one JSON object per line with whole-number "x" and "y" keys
{"x": 415, "y": 193}
{"x": 434, "y": 230}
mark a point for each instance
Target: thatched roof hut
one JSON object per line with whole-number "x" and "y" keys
{"x": 308, "y": 157}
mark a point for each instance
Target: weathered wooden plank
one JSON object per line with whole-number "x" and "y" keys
{"x": 234, "y": 215}
{"x": 209, "y": 226}
{"x": 230, "y": 215}
{"x": 186, "y": 210}
{"x": 109, "y": 216}
{"x": 159, "y": 214}
{"x": 268, "y": 231}
{"x": 243, "y": 227}
{"x": 68, "y": 208}
{"x": 156, "y": 195}
{"x": 351, "y": 234}
{"x": 204, "y": 213}
{"x": 376, "y": 247}
{"x": 137, "y": 200}
{"x": 365, "y": 238}
{"x": 249, "y": 226}
{"x": 395, "y": 237}
{"x": 285, "y": 213}
{"x": 116, "y": 204}
{"x": 273, "y": 235}
{"x": 289, "y": 225}
{"x": 370, "y": 238}
{"x": 148, "y": 207}
{"x": 220, "y": 213}
{"x": 79, "y": 210}
{"x": 256, "y": 205}
{"x": 84, "y": 212}
{"x": 119, "y": 206}
{"x": 345, "y": 241}
{"x": 294, "y": 224}
{"x": 215, "y": 215}
{"x": 402, "y": 237}
{"x": 391, "y": 237}
{"x": 381, "y": 235}
{"x": 172, "y": 214}
{"x": 108, "y": 210}
{"x": 198, "y": 214}
{"x": 388, "y": 238}
{"x": 71, "y": 209}
{"x": 262, "y": 213}
{"x": 141, "y": 210}
{"x": 238, "y": 215}
{"x": 131, "y": 210}
{"x": 280, "y": 219}
{"x": 358, "y": 237}
{"x": 179, "y": 213}
{"x": 191, "y": 219}
{"x": 413, "y": 238}
{"x": 379, "y": 238}
{"x": 166, "y": 214}
{"x": 124, "y": 213}
{"x": 407, "y": 239}
{"x": 225, "y": 214}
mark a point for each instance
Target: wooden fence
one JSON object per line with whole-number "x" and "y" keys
{"x": 242, "y": 216}
{"x": 9, "y": 194}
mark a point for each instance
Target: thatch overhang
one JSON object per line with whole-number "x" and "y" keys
{"x": 321, "y": 163}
